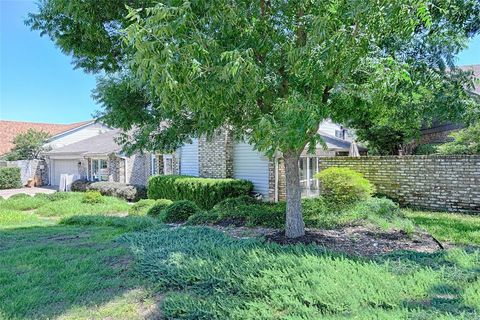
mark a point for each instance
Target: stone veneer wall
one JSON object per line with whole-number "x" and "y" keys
{"x": 215, "y": 155}
{"x": 432, "y": 182}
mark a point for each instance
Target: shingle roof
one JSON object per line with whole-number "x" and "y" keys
{"x": 10, "y": 129}
{"x": 102, "y": 144}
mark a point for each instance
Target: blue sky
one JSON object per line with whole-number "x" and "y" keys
{"x": 38, "y": 83}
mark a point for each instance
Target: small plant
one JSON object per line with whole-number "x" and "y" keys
{"x": 57, "y": 196}
{"x": 19, "y": 196}
{"x": 343, "y": 186}
{"x": 179, "y": 211}
{"x": 159, "y": 207}
{"x": 92, "y": 197}
{"x": 10, "y": 178}
{"x": 141, "y": 207}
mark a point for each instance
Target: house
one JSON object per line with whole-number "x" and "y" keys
{"x": 222, "y": 157}
{"x": 98, "y": 158}
{"x": 60, "y": 134}
{"x": 438, "y": 132}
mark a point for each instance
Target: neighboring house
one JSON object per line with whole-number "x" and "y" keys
{"x": 60, "y": 134}
{"x": 222, "y": 157}
{"x": 98, "y": 158}
{"x": 439, "y": 132}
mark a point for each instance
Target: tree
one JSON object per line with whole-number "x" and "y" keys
{"x": 28, "y": 145}
{"x": 270, "y": 71}
{"x": 466, "y": 141}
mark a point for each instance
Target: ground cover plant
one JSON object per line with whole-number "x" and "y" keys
{"x": 318, "y": 213}
{"x": 210, "y": 275}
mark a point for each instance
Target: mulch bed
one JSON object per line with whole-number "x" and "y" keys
{"x": 362, "y": 241}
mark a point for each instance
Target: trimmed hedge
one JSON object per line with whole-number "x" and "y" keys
{"x": 205, "y": 192}
{"x": 10, "y": 178}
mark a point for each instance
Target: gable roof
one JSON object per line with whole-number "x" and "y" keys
{"x": 10, "y": 129}
{"x": 102, "y": 144}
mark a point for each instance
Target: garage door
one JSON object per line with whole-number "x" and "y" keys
{"x": 251, "y": 165}
{"x": 60, "y": 166}
{"x": 189, "y": 159}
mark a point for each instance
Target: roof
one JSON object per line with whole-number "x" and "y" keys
{"x": 10, "y": 129}
{"x": 337, "y": 144}
{"x": 475, "y": 68}
{"x": 102, "y": 144}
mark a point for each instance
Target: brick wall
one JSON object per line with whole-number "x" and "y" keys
{"x": 215, "y": 155}
{"x": 432, "y": 182}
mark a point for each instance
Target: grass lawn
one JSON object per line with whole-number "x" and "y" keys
{"x": 91, "y": 266}
{"x": 448, "y": 227}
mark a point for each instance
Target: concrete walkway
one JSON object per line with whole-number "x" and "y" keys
{"x": 7, "y": 193}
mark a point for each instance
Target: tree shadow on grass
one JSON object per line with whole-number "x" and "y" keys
{"x": 48, "y": 271}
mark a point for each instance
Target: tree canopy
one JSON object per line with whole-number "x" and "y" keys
{"x": 28, "y": 145}
{"x": 270, "y": 71}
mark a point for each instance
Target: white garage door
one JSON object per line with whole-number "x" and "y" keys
{"x": 189, "y": 159}
{"x": 251, "y": 165}
{"x": 61, "y": 166}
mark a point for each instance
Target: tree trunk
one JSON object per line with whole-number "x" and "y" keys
{"x": 294, "y": 227}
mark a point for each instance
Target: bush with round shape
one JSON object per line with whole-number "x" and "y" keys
{"x": 179, "y": 211}
{"x": 92, "y": 197}
{"x": 19, "y": 196}
{"x": 141, "y": 207}
{"x": 10, "y": 178}
{"x": 80, "y": 185}
{"x": 57, "y": 196}
{"x": 344, "y": 186}
{"x": 158, "y": 207}
{"x": 128, "y": 192}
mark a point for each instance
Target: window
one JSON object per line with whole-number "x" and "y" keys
{"x": 167, "y": 164}
{"x": 308, "y": 168}
{"x": 154, "y": 164}
{"x": 99, "y": 171}
{"x": 340, "y": 134}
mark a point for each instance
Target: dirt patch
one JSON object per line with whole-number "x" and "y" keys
{"x": 68, "y": 238}
{"x": 362, "y": 241}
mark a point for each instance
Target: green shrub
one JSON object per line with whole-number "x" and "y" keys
{"x": 141, "y": 207}
{"x": 80, "y": 185}
{"x": 125, "y": 223}
{"x": 179, "y": 211}
{"x": 92, "y": 197}
{"x": 159, "y": 207}
{"x": 427, "y": 148}
{"x": 19, "y": 196}
{"x": 204, "y": 217}
{"x": 128, "y": 192}
{"x": 247, "y": 211}
{"x": 313, "y": 208}
{"x": 57, "y": 196}
{"x": 10, "y": 178}
{"x": 382, "y": 207}
{"x": 204, "y": 192}
{"x": 343, "y": 186}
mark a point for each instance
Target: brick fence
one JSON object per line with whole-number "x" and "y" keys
{"x": 432, "y": 182}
